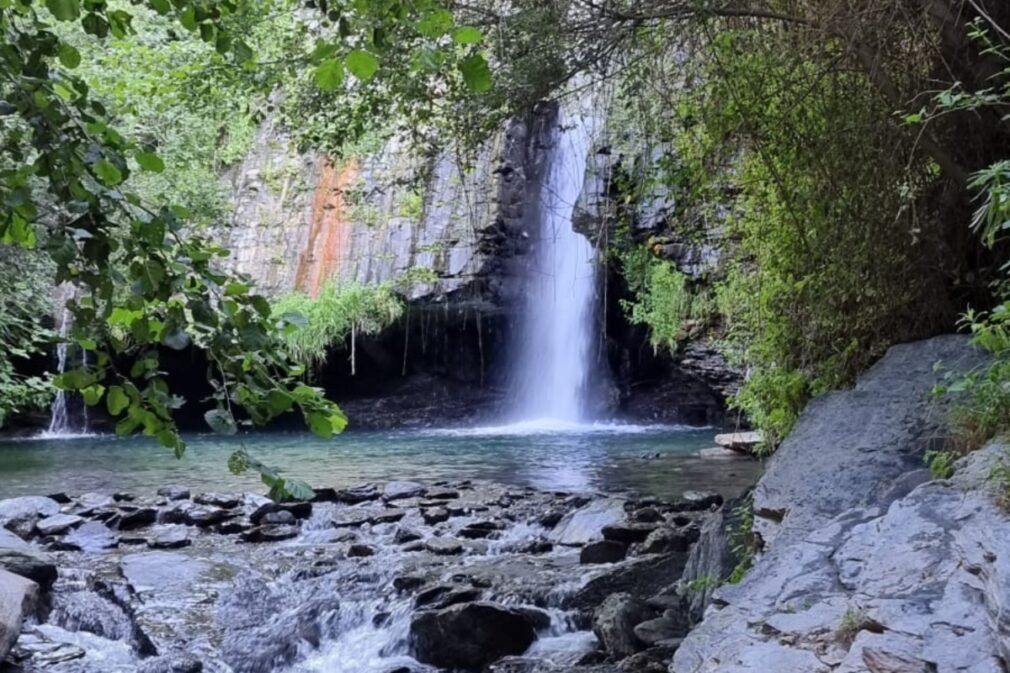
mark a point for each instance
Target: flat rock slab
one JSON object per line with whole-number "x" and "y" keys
{"x": 586, "y": 524}
{"x": 739, "y": 441}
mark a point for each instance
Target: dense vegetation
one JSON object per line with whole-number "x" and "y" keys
{"x": 839, "y": 154}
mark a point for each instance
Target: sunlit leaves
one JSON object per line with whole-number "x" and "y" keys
{"x": 329, "y": 75}
{"x": 361, "y": 64}
{"x": 107, "y": 173}
{"x": 150, "y": 162}
{"x": 467, "y": 35}
{"x": 69, "y": 56}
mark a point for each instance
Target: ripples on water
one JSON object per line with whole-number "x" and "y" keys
{"x": 544, "y": 454}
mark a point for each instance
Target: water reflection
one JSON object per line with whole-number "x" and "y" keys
{"x": 580, "y": 458}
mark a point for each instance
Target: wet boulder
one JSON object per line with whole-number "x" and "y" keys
{"x": 174, "y": 492}
{"x": 586, "y": 524}
{"x": 444, "y": 546}
{"x": 614, "y": 624}
{"x": 356, "y": 494}
{"x": 665, "y": 540}
{"x": 35, "y": 568}
{"x": 18, "y": 600}
{"x": 664, "y": 631}
{"x": 400, "y": 490}
{"x": 469, "y": 636}
{"x": 604, "y": 551}
{"x": 20, "y": 515}
{"x": 170, "y": 538}
{"x": 628, "y": 532}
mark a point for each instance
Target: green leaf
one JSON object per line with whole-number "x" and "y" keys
{"x": 221, "y": 422}
{"x": 162, "y": 7}
{"x": 467, "y": 35}
{"x": 93, "y": 394}
{"x": 69, "y": 57}
{"x": 320, "y": 425}
{"x": 329, "y": 75}
{"x": 362, "y": 64}
{"x": 435, "y": 24}
{"x": 150, "y": 161}
{"x": 298, "y": 489}
{"x": 107, "y": 173}
{"x": 188, "y": 18}
{"x": 117, "y": 400}
{"x": 476, "y": 73}
{"x": 64, "y": 10}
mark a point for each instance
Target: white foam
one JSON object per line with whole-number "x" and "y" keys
{"x": 555, "y": 426}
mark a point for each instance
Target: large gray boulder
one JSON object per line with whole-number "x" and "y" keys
{"x": 469, "y": 636}
{"x": 20, "y": 514}
{"x": 849, "y": 447}
{"x": 614, "y": 624}
{"x": 18, "y": 600}
{"x": 870, "y": 570}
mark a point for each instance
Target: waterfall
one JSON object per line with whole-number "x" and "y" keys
{"x": 60, "y": 423}
{"x": 551, "y": 375}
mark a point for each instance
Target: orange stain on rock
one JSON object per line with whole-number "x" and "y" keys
{"x": 329, "y": 230}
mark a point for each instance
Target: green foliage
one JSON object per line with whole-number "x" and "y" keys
{"x": 27, "y": 289}
{"x": 340, "y": 311}
{"x": 663, "y": 299}
{"x": 829, "y": 264}
{"x": 855, "y": 620}
{"x": 743, "y": 542}
{"x": 941, "y": 464}
{"x": 87, "y": 192}
{"x": 999, "y": 477}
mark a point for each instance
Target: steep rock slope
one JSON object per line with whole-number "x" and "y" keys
{"x": 869, "y": 567}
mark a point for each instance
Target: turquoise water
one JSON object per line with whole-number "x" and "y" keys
{"x": 570, "y": 458}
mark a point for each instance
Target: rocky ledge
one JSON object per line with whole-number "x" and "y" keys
{"x": 869, "y": 566}
{"x": 399, "y": 577}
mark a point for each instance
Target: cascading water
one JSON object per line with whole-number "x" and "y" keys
{"x": 552, "y": 372}
{"x": 60, "y": 423}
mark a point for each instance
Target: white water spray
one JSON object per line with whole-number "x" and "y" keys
{"x": 552, "y": 372}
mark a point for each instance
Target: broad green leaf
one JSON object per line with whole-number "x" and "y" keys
{"x": 107, "y": 173}
{"x": 476, "y": 73}
{"x": 163, "y": 7}
{"x": 221, "y": 422}
{"x": 362, "y": 64}
{"x": 329, "y": 75}
{"x": 320, "y": 425}
{"x": 150, "y": 162}
{"x": 69, "y": 57}
{"x": 93, "y": 394}
{"x": 188, "y": 18}
{"x": 298, "y": 489}
{"x": 64, "y": 10}
{"x": 467, "y": 35}
{"x": 435, "y": 24}
{"x": 117, "y": 400}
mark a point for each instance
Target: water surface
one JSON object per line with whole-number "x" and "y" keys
{"x": 546, "y": 456}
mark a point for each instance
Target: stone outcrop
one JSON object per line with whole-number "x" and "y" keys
{"x": 18, "y": 599}
{"x": 869, "y": 568}
{"x": 469, "y": 636}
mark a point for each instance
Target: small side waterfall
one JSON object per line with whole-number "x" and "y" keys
{"x": 552, "y": 371}
{"x": 61, "y": 424}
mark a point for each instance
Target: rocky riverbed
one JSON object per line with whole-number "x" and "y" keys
{"x": 397, "y": 577}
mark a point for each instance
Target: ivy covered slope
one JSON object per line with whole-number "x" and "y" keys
{"x": 87, "y": 179}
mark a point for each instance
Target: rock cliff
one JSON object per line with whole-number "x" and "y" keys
{"x": 868, "y": 566}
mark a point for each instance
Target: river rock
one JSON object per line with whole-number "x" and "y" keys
{"x": 171, "y": 664}
{"x": 739, "y": 442}
{"x": 133, "y": 519}
{"x": 400, "y": 490}
{"x": 270, "y": 533}
{"x": 36, "y": 568}
{"x": 585, "y": 524}
{"x": 405, "y": 535}
{"x": 614, "y": 624}
{"x": 666, "y": 539}
{"x": 92, "y": 536}
{"x": 628, "y": 533}
{"x": 279, "y": 517}
{"x": 604, "y": 551}
{"x": 224, "y": 501}
{"x": 58, "y": 524}
{"x": 357, "y": 494}
{"x": 480, "y": 529}
{"x": 360, "y": 551}
{"x": 20, "y": 515}
{"x": 641, "y": 577}
{"x": 297, "y": 510}
{"x": 18, "y": 600}
{"x": 174, "y": 492}
{"x": 469, "y": 636}
{"x": 170, "y": 538}
{"x": 388, "y": 516}
{"x": 444, "y": 546}
{"x": 443, "y": 596}
{"x": 435, "y": 515}
{"x": 664, "y": 631}
{"x": 696, "y": 501}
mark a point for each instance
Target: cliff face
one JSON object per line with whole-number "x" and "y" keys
{"x": 454, "y": 239}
